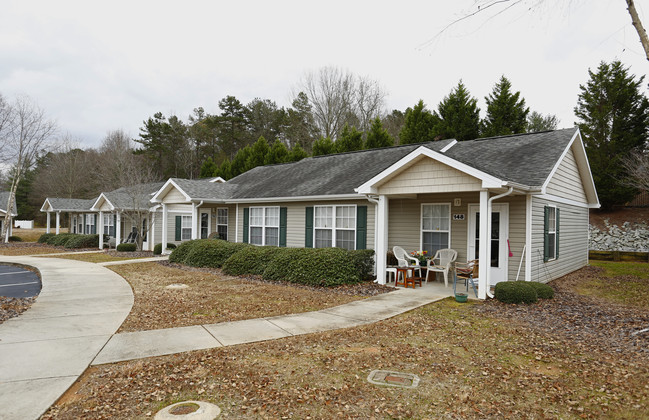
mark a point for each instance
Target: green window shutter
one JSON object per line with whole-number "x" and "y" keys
{"x": 308, "y": 231}
{"x": 361, "y": 227}
{"x": 246, "y": 224}
{"x": 112, "y": 229}
{"x": 94, "y": 226}
{"x": 546, "y": 237}
{"x": 282, "y": 226}
{"x": 556, "y": 249}
{"x": 179, "y": 225}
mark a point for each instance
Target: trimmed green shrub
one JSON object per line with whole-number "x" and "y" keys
{"x": 515, "y": 292}
{"x": 250, "y": 260}
{"x": 43, "y": 239}
{"x": 60, "y": 239}
{"x": 126, "y": 247}
{"x": 179, "y": 254}
{"x": 157, "y": 249}
{"x": 364, "y": 262}
{"x": 171, "y": 245}
{"x": 14, "y": 238}
{"x": 314, "y": 267}
{"x": 543, "y": 291}
{"x": 82, "y": 241}
{"x": 211, "y": 252}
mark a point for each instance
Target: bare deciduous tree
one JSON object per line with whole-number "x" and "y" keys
{"x": 27, "y": 134}
{"x": 637, "y": 168}
{"x": 338, "y": 97}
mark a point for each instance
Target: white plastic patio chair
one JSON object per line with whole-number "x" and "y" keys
{"x": 442, "y": 262}
{"x": 405, "y": 259}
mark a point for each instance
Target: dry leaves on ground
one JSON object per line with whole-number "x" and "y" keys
{"x": 475, "y": 361}
{"x": 212, "y": 297}
{"x": 12, "y": 307}
{"x": 30, "y": 248}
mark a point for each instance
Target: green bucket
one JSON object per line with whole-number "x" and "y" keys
{"x": 461, "y": 297}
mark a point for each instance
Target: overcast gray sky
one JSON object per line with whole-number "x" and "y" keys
{"x": 96, "y": 67}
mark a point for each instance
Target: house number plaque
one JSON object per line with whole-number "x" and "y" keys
{"x": 458, "y": 217}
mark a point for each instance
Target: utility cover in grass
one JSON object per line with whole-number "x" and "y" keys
{"x": 194, "y": 410}
{"x": 389, "y": 378}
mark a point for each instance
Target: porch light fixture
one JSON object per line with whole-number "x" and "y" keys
{"x": 457, "y": 202}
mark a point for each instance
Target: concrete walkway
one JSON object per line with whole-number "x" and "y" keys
{"x": 44, "y": 350}
{"x": 137, "y": 345}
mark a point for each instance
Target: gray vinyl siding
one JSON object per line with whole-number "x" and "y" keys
{"x": 566, "y": 181}
{"x": 573, "y": 240}
{"x": 296, "y": 219}
{"x": 517, "y": 213}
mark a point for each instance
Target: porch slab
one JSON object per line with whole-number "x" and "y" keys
{"x": 248, "y": 331}
{"x": 142, "y": 344}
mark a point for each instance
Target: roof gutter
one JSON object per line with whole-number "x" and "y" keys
{"x": 489, "y": 211}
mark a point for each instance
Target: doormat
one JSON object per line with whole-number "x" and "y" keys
{"x": 389, "y": 378}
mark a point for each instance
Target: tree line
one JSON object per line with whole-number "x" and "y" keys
{"x": 332, "y": 112}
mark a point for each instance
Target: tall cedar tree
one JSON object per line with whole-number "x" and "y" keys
{"x": 378, "y": 136}
{"x": 232, "y": 126}
{"x": 614, "y": 120}
{"x": 538, "y": 122}
{"x": 459, "y": 115}
{"x": 349, "y": 140}
{"x": 418, "y": 125}
{"x": 323, "y": 146}
{"x": 278, "y": 153}
{"x": 506, "y": 111}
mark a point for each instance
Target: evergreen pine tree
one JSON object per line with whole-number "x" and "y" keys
{"x": 378, "y": 136}
{"x": 506, "y": 111}
{"x": 258, "y": 154}
{"x": 278, "y": 153}
{"x": 208, "y": 168}
{"x": 323, "y": 146}
{"x": 297, "y": 153}
{"x": 349, "y": 140}
{"x": 613, "y": 118}
{"x": 418, "y": 125}
{"x": 458, "y": 115}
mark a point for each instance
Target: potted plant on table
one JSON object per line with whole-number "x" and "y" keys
{"x": 422, "y": 256}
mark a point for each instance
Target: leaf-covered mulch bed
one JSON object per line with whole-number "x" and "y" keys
{"x": 134, "y": 254}
{"x": 588, "y": 321}
{"x": 12, "y": 307}
{"x": 29, "y": 248}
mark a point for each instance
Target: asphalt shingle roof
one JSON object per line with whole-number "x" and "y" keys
{"x": 4, "y": 200}
{"x": 203, "y": 188}
{"x": 133, "y": 197}
{"x": 70, "y": 204}
{"x": 321, "y": 175}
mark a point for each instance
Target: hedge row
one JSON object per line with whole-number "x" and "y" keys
{"x": 314, "y": 267}
{"x": 157, "y": 249}
{"x": 70, "y": 240}
{"x": 522, "y": 291}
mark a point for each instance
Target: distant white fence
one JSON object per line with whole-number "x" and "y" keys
{"x": 24, "y": 224}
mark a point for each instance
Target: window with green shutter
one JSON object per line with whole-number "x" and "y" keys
{"x": 246, "y": 224}
{"x": 179, "y": 228}
{"x": 282, "y": 226}
{"x": 361, "y": 227}
{"x": 308, "y": 231}
{"x": 550, "y": 233}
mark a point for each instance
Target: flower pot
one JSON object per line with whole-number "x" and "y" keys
{"x": 461, "y": 297}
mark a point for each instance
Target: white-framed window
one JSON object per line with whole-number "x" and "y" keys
{"x": 222, "y": 223}
{"x": 90, "y": 223}
{"x": 334, "y": 226}
{"x": 108, "y": 223}
{"x": 551, "y": 252}
{"x": 186, "y": 228}
{"x": 435, "y": 227}
{"x": 264, "y": 226}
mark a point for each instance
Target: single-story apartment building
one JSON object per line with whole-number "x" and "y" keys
{"x": 529, "y": 194}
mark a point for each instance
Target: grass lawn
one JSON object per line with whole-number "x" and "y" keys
{"x": 473, "y": 364}
{"x": 623, "y": 282}
{"x": 211, "y": 298}
{"x": 29, "y": 248}
{"x": 31, "y": 235}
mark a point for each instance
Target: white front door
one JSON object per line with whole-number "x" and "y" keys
{"x": 499, "y": 237}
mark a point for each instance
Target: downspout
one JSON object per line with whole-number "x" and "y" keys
{"x": 489, "y": 206}
{"x": 376, "y": 226}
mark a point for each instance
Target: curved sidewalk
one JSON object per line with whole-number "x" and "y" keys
{"x": 45, "y": 349}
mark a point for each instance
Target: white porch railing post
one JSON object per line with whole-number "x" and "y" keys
{"x": 118, "y": 229}
{"x": 485, "y": 240}
{"x": 382, "y": 239}
{"x": 58, "y": 222}
{"x": 152, "y": 231}
{"x": 47, "y": 230}
{"x": 100, "y": 228}
{"x": 164, "y": 229}
{"x": 195, "y": 220}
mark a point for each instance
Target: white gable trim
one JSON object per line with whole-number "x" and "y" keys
{"x": 562, "y": 200}
{"x": 337, "y": 197}
{"x": 47, "y": 202}
{"x": 448, "y": 146}
{"x": 95, "y": 206}
{"x": 582, "y": 160}
{"x": 488, "y": 181}
{"x": 217, "y": 179}
{"x": 164, "y": 190}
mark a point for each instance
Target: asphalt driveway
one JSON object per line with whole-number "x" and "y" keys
{"x": 18, "y": 282}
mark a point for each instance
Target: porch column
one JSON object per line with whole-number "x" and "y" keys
{"x": 152, "y": 231}
{"x": 58, "y": 222}
{"x": 118, "y": 229}
{"x": 195, "y": 220}
{"x": 164, "y": 229}
{"x": 381, "y": 238}
{"x": 100, "y": 228}
{"x": 485, "y": 242}
{"x": 236, "y": 223}
{"x": 47, "y": 230}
